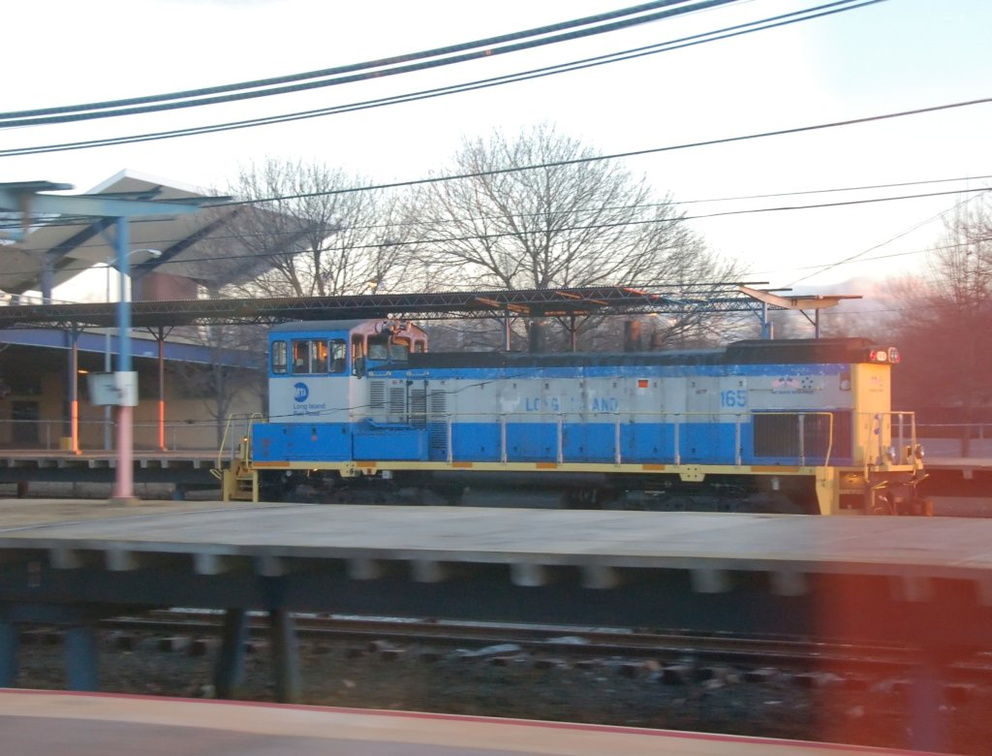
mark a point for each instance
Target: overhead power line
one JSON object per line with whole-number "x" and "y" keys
{"x": 855, "y": 257}
{"x": 841, "y": 203}
{"x": 581, "y": 227}
{"x": 835, "y": 190}
{"x": 16, "y": 223}
{"x": 750, "y": 27}
{"x": 619, "y": 155}
{"x": 381, "y": 62}
{"x": 392, "y": 66}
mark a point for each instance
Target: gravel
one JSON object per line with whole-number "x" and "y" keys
{"x": 514, "y": 683}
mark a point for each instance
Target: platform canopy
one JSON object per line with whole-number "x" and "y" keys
{"x": 543, "y": 303}
{"x": 182, "y": 233}
{"x": 189, "y": 246}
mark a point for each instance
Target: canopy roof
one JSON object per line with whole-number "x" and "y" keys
{"x": 191, "y": 245}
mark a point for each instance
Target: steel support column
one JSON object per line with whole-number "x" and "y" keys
{"x": 285, "y": 656}
{"x": 10, "y": 642}
{"x": 230, "y": 670}
{"x": 160, "y": 338}
{"x": 81, "y": 658}
{"x": 124, "y": 486}
{"x": 72, "y": 381}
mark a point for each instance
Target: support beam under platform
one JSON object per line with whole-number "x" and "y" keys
{"x": 285, "y": 656}
{"x": 230, "y": 671}
{"x": 10, "y": 642}
{"x": 81, "y": 658}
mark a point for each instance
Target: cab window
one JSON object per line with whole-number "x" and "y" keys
{"x": 378, "y": 350}
{"x": 357, "y": 355}
{"x": 301, "y": 356}
{"x": 279, "y": 357}
{"x": 339, "y": 358}
{"x": 318, "y": 356}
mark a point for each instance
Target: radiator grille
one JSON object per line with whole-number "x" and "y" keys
{"x": 397, "y": 404}
{"x": 437, "y": 433}
{"x": 799, "y": 435}
{"x": 418, "y": 407}
{"x": 377, "y": 399}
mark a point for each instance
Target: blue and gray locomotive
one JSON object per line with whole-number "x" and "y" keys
{"x": 362, "y": 411}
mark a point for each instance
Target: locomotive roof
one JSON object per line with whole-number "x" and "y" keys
{"x": 739, "y": 352}
{"x": 800, "y": 350}
{"x": 320, "y": 325}
{"x": 305, "y": 326}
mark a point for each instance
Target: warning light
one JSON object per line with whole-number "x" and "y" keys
{"x": 884, "y": 355}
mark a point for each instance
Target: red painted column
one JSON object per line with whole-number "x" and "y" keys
{"x": 124, "y": 487}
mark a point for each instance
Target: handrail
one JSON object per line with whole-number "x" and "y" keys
{"x": 891, "y": 425}
{"x": 244, "y": 449}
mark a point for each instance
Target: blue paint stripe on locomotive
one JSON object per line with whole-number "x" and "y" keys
{"x": 640, "y": 443}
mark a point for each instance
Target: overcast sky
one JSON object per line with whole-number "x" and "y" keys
{"x": 889, "y": 57}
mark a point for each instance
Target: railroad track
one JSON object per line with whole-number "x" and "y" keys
{"x": 778, "y": 687}
{"x": 573, "y": 643}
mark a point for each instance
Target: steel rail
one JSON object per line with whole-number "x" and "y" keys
{"x": 577, "y": 643}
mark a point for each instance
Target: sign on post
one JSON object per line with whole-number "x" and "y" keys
{"x": 116, "y": 389}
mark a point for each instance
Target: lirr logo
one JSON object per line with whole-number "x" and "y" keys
{"x": 300, "y": 392}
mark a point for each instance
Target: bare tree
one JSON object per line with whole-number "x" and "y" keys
{"x": 318, "y": 232}
{"x": 541, "y": 211}
{"x": 235, "y": 367}
{"x": 945, "y": 322}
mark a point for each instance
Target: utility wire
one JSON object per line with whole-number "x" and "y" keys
{"x": 619, "y": 155}
{"x": 874, "y": 258}
{"x": 381, "y": 62}
{"x": 841, "y": 203}
{"x": 15, "y": 223}
{"x": 169, "y": 102}
{"x": 901, "y": 234}
{"x": 806, "y": 192}
{"x": 577, "y": 227}
{"x": 761, "y": 25}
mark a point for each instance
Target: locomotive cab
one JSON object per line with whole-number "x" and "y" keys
{"x": 318, "y": 391}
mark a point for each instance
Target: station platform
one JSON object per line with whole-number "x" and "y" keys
{"x": 208, "y": 532}
{"x": 715, "y": 571}
{"x": 921, "y": 583}
{"x": 182, "y": 470}
{"x": 39, "y": 722}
